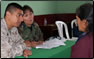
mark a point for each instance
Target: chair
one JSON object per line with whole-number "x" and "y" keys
{"x": 72, "y": 25}
{"x": 74, "y": 21}
{"x": 60, "y": 30}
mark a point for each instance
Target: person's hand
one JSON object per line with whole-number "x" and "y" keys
{"x": 27, "y": 53}
{"x": 34, "y": 43}
{"x": 28, "y": 43}
{"x": 40, "y": 42}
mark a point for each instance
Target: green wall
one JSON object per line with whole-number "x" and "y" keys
{"x": 47, "y": 7}
{"x": 69, "y": 6}
{"x": 39, "y": 7}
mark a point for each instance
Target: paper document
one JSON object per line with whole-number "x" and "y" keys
{"x": 52, "y": 43}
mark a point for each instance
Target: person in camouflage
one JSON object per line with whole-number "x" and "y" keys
{"x": 12, "y": 43}
{"x": 29, "y": 30}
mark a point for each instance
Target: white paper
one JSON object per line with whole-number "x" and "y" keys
{"x": 52, "y": 43}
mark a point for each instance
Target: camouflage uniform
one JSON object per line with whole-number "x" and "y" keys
{"x": 32, "y": 33}
{"x": 11, "y": 42}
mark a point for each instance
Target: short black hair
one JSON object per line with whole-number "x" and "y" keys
{"x": 12, "y": 7}
{"x": 85, "y": 11}
{"x": 26, "y": 7}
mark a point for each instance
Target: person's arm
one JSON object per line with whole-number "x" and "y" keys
{"x": 15, "y": 49}
{"x": 39, "y": 32}
{"x": 41, "y": 35}
{"x": 22, "y": 43}
{"x": 81, "y": 49}
{"x": 19, "y": 47}
{"x": 6, "y": 49}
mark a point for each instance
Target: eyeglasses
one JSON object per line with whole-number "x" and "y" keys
{"x": 18, "y": 15}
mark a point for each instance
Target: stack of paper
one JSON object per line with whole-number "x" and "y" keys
{"x": 52, "y": 43}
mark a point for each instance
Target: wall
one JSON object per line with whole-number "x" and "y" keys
{"x": 44, "y": 7}
{"x": 47, "y": 7}
{"x": 69, "y": 6}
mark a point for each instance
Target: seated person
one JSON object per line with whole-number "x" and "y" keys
{"x": 83, "y": 48}
{"x": 11, "y": 42}
{"x": 29, "y": 30}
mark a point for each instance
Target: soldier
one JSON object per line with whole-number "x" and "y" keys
{"x": 11, "y": 42}
{"x": 29, "y": 29}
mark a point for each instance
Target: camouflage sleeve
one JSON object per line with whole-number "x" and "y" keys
{"x": 38, "y": 32}
{"x": 21, "y": 42}
{"x": 19, "y": 46}
{"x": 6, "y": 48}
{"x": 9, "y": 50}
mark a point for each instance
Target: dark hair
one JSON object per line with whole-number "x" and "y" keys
{"x": 26, "y": 7}
{"x": 86, "y": 12}
{"x": 12, "y": 7}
